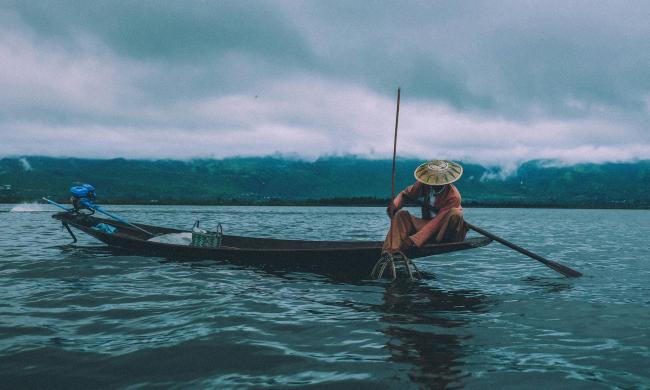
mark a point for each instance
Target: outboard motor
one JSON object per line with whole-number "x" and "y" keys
{"x": 83, "y": 196}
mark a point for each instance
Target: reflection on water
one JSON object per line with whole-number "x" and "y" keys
{"x": 423, "y": 330}
{"x": 548, "y": 285}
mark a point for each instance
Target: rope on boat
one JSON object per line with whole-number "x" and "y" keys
{"x": 388, "y": 260}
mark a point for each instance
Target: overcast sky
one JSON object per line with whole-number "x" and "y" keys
{"x": 494, "y": 82}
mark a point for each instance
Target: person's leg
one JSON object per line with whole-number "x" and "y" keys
{"x": 453, "y": 228}
{"x": 402, "y": 226}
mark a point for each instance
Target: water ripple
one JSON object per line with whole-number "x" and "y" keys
{"x": 81, "y": 316}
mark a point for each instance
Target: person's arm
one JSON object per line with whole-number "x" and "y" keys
{"x": 413, "y": 191}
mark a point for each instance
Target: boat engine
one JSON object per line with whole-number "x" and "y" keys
{"x": 83, "y": 197}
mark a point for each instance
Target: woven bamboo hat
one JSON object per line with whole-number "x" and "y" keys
{"x": 438, "y": 172}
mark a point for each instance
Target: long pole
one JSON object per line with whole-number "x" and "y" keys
{"x": 392, "y": 187}
{"x": 99, "y": 209}
{"x": 56, "y": 204}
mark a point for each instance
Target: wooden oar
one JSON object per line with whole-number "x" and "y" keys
{"x": 555, "y": 266}
{"x": 563, "y": 269}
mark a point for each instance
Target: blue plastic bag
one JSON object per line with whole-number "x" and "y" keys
{"x": 105, "y": 228}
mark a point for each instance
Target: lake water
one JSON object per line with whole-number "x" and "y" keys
{"x": 80, "y": 317}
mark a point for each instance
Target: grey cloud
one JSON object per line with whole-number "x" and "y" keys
{"x": 170, "y": 30}
{"x": 504, "y": 80}
{"x": 511, "y": 57}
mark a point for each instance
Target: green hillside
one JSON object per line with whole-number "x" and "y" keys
{"x": 336, "y": 180}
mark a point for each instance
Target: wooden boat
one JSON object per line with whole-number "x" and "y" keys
{"x": 325, "y": 257}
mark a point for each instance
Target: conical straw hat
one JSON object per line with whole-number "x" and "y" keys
{"x": 438, "y": 172}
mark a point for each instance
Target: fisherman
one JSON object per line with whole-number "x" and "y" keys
{"x": 442, "y": 214}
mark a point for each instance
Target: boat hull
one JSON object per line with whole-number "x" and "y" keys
{"x": 328, "y": 257}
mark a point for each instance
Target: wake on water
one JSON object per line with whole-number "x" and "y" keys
{"x": 29, "y": 208}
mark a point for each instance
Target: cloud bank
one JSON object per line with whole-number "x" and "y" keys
{"x": 493, "y": 83}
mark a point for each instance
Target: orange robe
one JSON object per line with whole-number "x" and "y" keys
{"x": 446, "y": 226}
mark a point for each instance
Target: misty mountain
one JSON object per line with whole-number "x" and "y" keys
{"x": 334, "y": 180}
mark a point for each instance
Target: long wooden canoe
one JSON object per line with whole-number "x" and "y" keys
{"x": 327, "y": 257}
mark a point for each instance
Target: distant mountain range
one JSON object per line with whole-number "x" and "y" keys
{"x": 332, "y": 180}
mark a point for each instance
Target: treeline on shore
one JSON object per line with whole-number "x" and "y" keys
{"x": 334, "y": 181}
{"x": 360, "y": 202}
